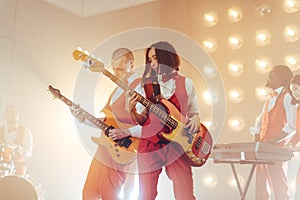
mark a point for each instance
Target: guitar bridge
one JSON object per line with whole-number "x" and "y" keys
{"x": 206, "y": 148}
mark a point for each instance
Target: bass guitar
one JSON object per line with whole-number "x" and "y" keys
{"x": 124, "y": 150}
{"x": 196, "y": 147}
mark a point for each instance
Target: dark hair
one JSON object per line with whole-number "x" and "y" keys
{"x": 122, "y": 52}
{"x": 167, "y": 58}
{"x": 296, "y": 80}
{"x": 284, "y": 73}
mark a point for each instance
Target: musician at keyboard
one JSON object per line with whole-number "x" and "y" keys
{"x": 295, "y": 141}
{"x": 275, "y": 125}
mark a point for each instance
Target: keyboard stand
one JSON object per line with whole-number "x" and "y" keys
{"x": 243, "y": 193}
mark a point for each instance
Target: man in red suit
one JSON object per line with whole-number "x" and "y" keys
{"x": 106, "y": 177}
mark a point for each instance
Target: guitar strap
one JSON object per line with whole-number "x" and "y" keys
{"x": 156, "y": 86}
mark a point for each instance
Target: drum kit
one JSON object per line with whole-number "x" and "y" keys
{"x": 14, "y": 186}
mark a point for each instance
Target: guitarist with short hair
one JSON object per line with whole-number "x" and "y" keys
{"x": 106, "y": 177}
{"x": 275, "y": 125}
{"x": 162, "y": 80}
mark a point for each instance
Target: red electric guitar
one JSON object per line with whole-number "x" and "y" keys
{"x": 196, "y": 146}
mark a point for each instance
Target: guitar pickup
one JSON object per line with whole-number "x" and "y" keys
{"x": 124, "y": 142}
{"x": 198, "y": 143}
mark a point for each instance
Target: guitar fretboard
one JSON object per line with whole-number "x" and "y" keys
{"x": 87, "y": 115}
{"x": 165, "y": 117}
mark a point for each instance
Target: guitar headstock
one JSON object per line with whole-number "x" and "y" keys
{"x": 88, "y": 61}
{"x": 55, "y": 92}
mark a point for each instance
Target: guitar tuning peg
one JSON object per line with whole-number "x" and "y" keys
{"x": 88, "y": 62}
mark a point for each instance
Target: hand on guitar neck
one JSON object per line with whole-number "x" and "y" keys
{"x": 122, "y": 149}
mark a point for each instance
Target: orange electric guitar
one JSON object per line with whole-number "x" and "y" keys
{"x": 123, "y": 150}
{"x": 195, "y": 146}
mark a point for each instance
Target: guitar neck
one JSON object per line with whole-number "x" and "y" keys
{"x": 120, "y": 83}
{"x": 160, "y": 113}
{"x": 98, "y": 123}
{"x": 169, "y": 121}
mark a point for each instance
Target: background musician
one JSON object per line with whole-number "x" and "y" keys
{"x": 295, "y": 141}
{"x": 275, "y": 125}
{"x": 105, "y": 176}
{"x": 16, "y": 139}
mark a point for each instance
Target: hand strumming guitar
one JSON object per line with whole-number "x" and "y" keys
{"x": 194, "y": 124}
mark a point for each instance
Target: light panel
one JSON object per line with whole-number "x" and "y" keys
{"x": 210, "y": 45}
{"x": 209, "y": 180}
{"x": 210, "y": 97}
{"x": 236, "y": 95}
{"x": 263, "y": 9}
{"x": 263, "y": 65}
{"x": 293, "y": 61}
{"x": 209, "y": 71}
{"x": 235, "y": 68}
{"x": 291, "y": 33}
{"x": 235, "y": 41}
{"x": 235, "y": 14}
{"x": 291, "y": 6}
{"x": 263, "y": 37}
{"x": 210, "y": 18}
{"x": 262, "y": 93}
{"x": 236, "y": 123}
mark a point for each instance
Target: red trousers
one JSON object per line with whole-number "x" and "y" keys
{"x": 104, "y": 179}
{"x": 272, "y": 177}
{"x": 151, "y": 158}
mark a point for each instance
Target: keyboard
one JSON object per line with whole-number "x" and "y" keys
{"x": 250, "y": 151}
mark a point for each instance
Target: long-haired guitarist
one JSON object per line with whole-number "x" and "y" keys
{"x": 105, "y": 176}
{"x": 162, "y": 80}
